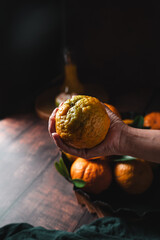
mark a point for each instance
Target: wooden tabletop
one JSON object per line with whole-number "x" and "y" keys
{"x": 31, "y": 189}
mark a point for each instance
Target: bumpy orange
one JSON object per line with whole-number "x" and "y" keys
{"x": 113, "y": 109}
{"x": 134, "y": 176}
{"x": 152, "y": 120}
{"x": 96, "y": 172}
{"x": 82, "y": 121}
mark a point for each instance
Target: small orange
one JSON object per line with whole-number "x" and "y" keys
{"x": 96, "y": 172}
{"x": 128, "y": 121}
{"x": 134, "y": 176}
{"x": 152, "y": 120}
{"x": 82, "y": 121}
{"x": 113, "y": 109}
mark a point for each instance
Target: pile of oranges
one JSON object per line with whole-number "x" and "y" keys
{"x": 83, "y": 117}
{"x": 132, "y": 176}
{"x": 151, "y": 120}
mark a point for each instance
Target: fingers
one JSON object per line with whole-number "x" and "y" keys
{"x": 113, "y": 117}
{"x": 84, "y": 153}
{"x": 110, "y": 113}
{"x": 97, "y": 151}
{"x": 68, "y": 149}
{"x": 64, "y": 147}
{"x": 51, "y": 123}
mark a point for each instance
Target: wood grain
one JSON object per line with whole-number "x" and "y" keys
{"x": 31, "y": 188}
{"x": 49, "y": 202}
{"x": 12, "y": 127}
{"x": 23, "y": 159}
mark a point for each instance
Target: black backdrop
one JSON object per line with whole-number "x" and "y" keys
{"x": 32, "y": 36}
{"x": 116, "y": 44}
{"x": 116, "y": 41}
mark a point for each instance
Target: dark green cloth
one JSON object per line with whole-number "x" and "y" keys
{"x": 107, "y": 228}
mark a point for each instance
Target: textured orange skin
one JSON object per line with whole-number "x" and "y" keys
{"x": 95, "y": 172}
{"x": 113, "y": 109}
{"x": 152, "y": 120}
{"x": 134, "y": 176}
{"x": 82, "y": 121}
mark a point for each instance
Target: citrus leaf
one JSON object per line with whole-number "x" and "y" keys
{"x": 59, "y": 169}
{"x": 66, "y": 160}
{"x": 124, "y": 158}
{"x": 62, "y": 169}
{"x": 138, "y": 122}
{"x": 79, "y": 183}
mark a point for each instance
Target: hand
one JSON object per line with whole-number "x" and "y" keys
{"x": 109, "y": 146}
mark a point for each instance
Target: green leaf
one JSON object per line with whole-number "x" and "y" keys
{"x": 59, "y": 168}
{"x": 124, "y": 158}
{"x": 66, "y": 160}
{"x": 138, "y": 122}
{"x": 62, "y": 169}
{"x": 79, "y": 183}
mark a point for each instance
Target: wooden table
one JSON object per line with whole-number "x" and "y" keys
{"x": 31, "y": 189}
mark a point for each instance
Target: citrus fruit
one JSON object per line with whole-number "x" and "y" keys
{"x": 96, "y": 172}
{"x": 82, "y": 121}
{"x": 128, "y": 121}
{"x": 152, "y": 120}
{"x": 134, "y": 176}
{"x": 113, "y": 109}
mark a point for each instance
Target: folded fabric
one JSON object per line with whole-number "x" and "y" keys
{"x": 108, "y": 228}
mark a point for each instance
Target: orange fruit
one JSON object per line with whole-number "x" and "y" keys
{"x": 82, "y": 121}
{"x": 113, "y": 109}
{"x": 96, "y": 172}
{"x": 152, "y": 120}
{"x": 128, "y": 121}
{"x": 134, "y": 176}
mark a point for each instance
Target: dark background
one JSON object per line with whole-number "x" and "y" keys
{"x": 115, "y": 44}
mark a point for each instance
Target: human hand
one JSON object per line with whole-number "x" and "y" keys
{"x": 109, "y": 146}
